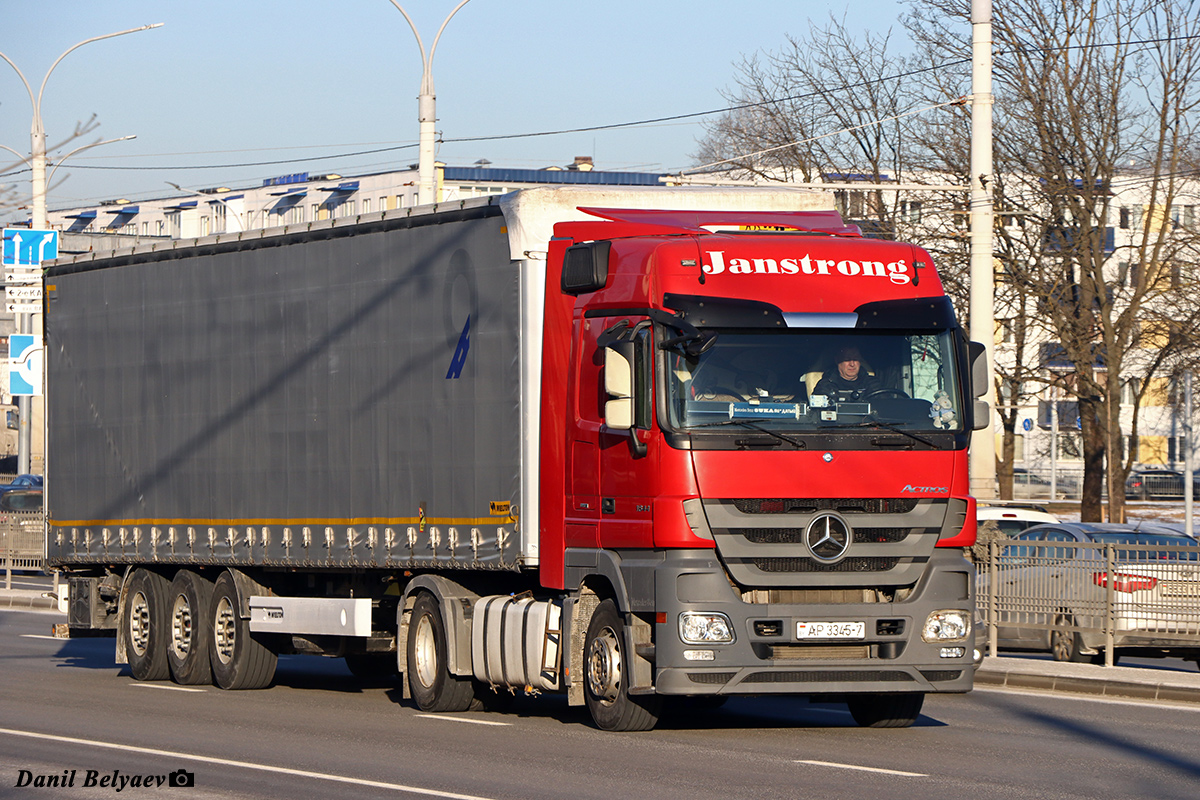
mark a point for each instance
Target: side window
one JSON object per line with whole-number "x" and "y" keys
{"x": 643, "y": 381}
{"x": 1058, "y": 552}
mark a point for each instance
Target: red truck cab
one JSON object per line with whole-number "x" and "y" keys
{"x": 777, "y": 535}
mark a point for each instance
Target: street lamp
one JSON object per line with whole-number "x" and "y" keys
{"x": 229, "y": 211}
{"x": 426, "y": 108}
{"x": 37, "y": 163}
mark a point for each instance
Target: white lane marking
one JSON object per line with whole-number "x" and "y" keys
{"x": 41, "y": 636}
{"x": 464, "y": 719}
{"x": 168, "y": 687}
{"x": 225, "y": 762}
{"x": 862, "y": 769}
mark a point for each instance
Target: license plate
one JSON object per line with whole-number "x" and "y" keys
{"x": 831, "y": 630}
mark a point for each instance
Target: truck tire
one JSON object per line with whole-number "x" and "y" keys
{"x": 432, "y": 685}
{"x": 239, "y": 661}
{"x": 187, "y": 611}
{"x": 886, "y": 710}
{"x": 146, "y": 626}
{"x": 606, "y": 680}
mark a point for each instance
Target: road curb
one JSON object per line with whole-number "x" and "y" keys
{"x": 1147, "y": 684}
{"x": 24, "y": 598}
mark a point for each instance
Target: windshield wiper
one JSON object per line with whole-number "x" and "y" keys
{"x": 797, "y": 443}
{"x": 875, "y": 422}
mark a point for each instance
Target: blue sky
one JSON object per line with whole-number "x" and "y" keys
{"x": 228, "y": 83}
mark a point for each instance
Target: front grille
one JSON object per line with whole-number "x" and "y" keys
{"x": 862, "y": 564}
{"x": 824, "y": 652}
{"x": 809, "y": 596}
{"x": 825, "y": 676}
{"x": 900, "y": 505}
{"x": 711, "y": 677}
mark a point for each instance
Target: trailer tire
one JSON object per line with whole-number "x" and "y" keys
{"x": 432, "y": 685}
{"x": 886, "y": 710}
{"x": 606, "y": 679}
{"x": 187, "y": 614}
{"x": 238, "y": 659}
{"x": 146, "y": 625}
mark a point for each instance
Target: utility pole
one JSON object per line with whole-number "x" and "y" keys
{"x": 983, "y": 447}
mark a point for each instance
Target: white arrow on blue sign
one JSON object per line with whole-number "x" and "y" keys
{"x": 24, "y": 247}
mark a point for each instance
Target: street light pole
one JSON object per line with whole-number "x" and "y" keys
{"x": 37, "y": 163}
{"x": 983, "y": 446}
{"x": 426, "y": 108}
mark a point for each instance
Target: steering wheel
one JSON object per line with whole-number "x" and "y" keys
{"x": 886, "y": 392}
{"x": 719, "y": 392}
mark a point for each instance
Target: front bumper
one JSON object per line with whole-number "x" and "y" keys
{"x": 767, "y": 656}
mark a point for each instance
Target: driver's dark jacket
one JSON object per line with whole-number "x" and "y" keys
{"x": 834, "y": 384}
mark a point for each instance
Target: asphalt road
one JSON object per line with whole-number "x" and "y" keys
{"x": 67, "y": 708}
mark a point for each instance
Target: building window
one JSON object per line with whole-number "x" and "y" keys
{"x": 910, "y": 211}
{"x": 366, "y": 205}
{"x": 399, "y": 201}
{"x": 383, "y": 206}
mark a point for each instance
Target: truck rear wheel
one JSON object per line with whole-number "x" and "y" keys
{"x": 433, "y": 686}
{"x": 606, "y": 677}
{"x": 145, "y": 625}
{"x": 187, "y": 650}
{"x": 239, "y": 661}
{"x": 886, "y": 710}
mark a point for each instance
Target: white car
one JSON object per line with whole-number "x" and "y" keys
{"x": 1012, "y": 519}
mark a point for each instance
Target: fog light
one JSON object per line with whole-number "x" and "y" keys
{"x": 703, "y": 627}
{"x": 953, "y": 652}
{"x": 951, "y": 624}
{"x": 699, "y": 655}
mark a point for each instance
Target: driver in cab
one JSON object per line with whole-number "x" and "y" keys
{"x": 848, "y": 381}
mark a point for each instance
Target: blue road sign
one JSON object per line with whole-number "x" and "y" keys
{"x": 24, "y": 247}
{"x": 24, "y": 364}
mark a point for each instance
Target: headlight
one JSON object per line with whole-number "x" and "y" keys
{"x": 947, "y": 625}
{"x": 696, "y": 627}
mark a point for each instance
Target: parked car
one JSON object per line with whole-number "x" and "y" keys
{"x": 21, "y": 500}
{"x": 1013, "y": 518}
{"x": 1158, "y": 483}
{"x": 22, "y": 482}
{"x": 22, "y": 507}
{"x": 1035, "y": 484}
{"x": 1053, "y": 591}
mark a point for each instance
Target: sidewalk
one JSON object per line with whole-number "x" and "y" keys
{"x": 1134, "y": 683}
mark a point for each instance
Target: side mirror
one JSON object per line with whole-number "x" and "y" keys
{"x": 618, "y": 384}
{"x": 981, "y": 413}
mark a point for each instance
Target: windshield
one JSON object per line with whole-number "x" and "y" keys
{"x": 804, "y": 380}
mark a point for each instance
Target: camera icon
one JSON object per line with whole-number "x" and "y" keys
{"x": 181, "y": 778}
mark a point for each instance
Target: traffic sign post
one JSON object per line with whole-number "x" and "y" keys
{"x": 24, "y": 250}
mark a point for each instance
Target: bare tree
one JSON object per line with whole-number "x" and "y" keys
{"x": 816, "y": 110}
{"x": 1088, "y": 96}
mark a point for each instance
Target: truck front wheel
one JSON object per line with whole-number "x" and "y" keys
{"x": 886, "y": 710}
{"x": 145, "y": 625}
{"x": 187, "y": 650}
{"x": 239, "y": 661}
{"x": 605, "y": 677}
{"x": 433, "y": 686}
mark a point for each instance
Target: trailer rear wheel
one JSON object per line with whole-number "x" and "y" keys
{"x": 886, "y": 710}
{"x": 145, "y": 625}
{"x": 606, "y": 678}
{"x": 187, "y": 650}
{"x": 433, "y": 686}
{"x": 239, "y": 661}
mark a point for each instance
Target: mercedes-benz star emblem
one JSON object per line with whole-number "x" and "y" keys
{"x": 827, "y": 537}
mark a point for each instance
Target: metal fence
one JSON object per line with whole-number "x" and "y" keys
{"x": 22, "y": 540}
{"x": 1078, "y": 598}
